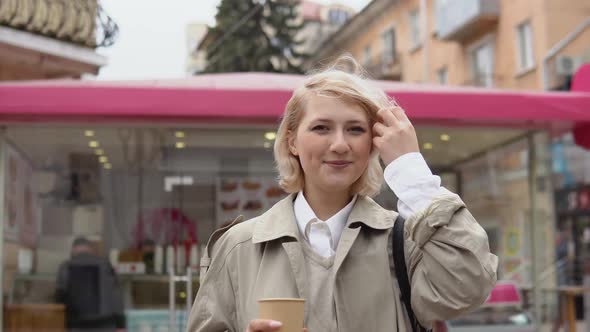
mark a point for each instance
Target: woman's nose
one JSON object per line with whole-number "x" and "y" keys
{"x": 339, "y": 143}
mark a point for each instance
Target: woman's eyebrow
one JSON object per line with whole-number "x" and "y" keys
{"x": 347, "y": 122}
{"x": 357, "y": 122}
{"x": 322, "y": 120}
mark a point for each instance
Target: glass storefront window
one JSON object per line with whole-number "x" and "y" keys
{"x": 147, "y": 198}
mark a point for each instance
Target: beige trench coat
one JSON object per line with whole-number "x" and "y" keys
{"x": 451, "y": 268}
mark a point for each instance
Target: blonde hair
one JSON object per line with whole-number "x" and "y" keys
{"x": 345, "y": 80}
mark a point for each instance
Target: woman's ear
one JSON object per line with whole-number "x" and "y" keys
{"x": 291, "y": 143}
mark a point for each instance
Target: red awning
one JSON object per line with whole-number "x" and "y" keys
{"x": 261, "y": 97}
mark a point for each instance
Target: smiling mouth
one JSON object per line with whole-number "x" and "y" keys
{"x": 338, "y": 164}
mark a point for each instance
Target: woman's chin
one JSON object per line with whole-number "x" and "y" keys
{"x": 337, "y": 185}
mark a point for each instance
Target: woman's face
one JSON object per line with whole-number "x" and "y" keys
{"x": 333, "y": 143}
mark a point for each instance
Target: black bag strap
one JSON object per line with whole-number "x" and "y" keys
{"x": 401, "y": 272}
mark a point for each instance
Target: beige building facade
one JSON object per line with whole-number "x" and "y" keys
{"x": 492, "y": 43}
{"x": 196, "y": 59}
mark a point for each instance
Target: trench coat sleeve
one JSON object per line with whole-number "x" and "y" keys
{"x": 449, "y": 262}
{"x": 214, "y": 309}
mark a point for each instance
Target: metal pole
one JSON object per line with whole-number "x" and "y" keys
{"x": 172, "y": 301}
{"x": 560, "y": 46}
{"x": 2, "y": 193}
{"x": 189, "y": 289}
{"x": 532, "y": 170}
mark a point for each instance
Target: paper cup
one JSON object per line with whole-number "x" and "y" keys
{"x": 288, "y": 311}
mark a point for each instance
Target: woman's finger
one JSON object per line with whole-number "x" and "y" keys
{"x": 388, "y": 117}
{"x": 400, "y": 114}
{"x": 379, "y": 129}
{"x": 263, "y": 325}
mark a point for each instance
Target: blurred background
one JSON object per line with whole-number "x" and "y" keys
{"x": 143, "y": 126}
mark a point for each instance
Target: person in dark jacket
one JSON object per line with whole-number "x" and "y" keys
{"x": 88, "y": 287}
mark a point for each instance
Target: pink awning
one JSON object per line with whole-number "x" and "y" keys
{"x": 261, "y": 97}
{"x": 581, "y": 83}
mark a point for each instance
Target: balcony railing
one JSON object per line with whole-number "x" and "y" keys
{"x": 385, "y": 67}
{"x": 82, "y": 22}
{"x": 460, "y": 20}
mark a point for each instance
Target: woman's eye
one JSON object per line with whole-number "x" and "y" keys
{"x": 319, "y": 128}
{"x": 358, "y": 129}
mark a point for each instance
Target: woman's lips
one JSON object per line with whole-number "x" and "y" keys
{"x": 338, "y": 163}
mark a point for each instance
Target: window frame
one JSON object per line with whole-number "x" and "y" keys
{"x": 525, "y": 57}
{"x": 488, "y": 39}
{"x": 415, "y": 30}
{"x": 393, "y": 45}
{"x": 445, "y": 70}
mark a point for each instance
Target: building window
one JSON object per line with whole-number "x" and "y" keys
{"x": 388, "y": 38}
{"x": 443, "y": 75}
{"x": 415, "y": 28}
{"x": 367, "y": 56}
{"x": 525, "y": 46}
{"x": 482, "y": 60}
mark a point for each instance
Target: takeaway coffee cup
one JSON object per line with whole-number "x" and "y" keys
{"x": 285, "y": 310}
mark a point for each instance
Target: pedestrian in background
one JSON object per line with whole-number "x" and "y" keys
{"x": 88, "y": 287}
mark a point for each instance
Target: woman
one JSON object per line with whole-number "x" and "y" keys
{"x": 327, "y": 241}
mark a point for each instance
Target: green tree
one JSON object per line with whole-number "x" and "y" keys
{"x": 254, "y": 36}
{"x": 283, "y": 41}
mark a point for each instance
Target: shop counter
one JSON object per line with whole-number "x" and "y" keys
{"x": 34, "y": 317}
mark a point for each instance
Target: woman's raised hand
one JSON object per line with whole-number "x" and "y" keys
{"x": 394, "y": 134}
